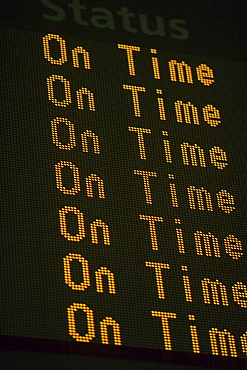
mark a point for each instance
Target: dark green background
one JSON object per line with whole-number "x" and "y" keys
{"x": 34, "y": 293}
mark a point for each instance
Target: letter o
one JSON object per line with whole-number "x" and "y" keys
{"x": 63, "y": 224}
{"x": 72, "y": 322}
{"x": 55, "y": 140}
{"x": 62, "y": 45}
{"x": 76, "y": 178}
{"x": 85, "y": 272}
{"x": 66, "y": 84}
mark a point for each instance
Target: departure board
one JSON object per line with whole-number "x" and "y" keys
{"x": 124, "y": 178}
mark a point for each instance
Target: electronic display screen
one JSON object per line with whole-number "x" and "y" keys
{"x": 124, "y": 195}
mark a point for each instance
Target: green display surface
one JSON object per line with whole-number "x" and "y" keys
{"x": 124, "y": 195}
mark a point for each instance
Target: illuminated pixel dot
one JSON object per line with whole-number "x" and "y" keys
{"x": 184, "y": 268}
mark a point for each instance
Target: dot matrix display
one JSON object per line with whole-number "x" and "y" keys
{"x": 124, "y": 188}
